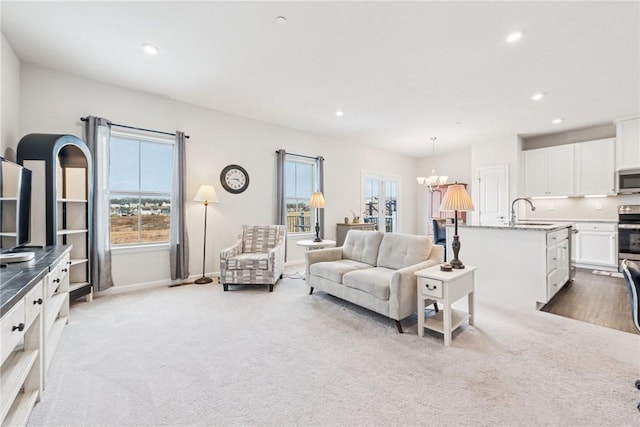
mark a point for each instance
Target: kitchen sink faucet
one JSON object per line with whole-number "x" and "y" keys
{"x": 512, "y": 220}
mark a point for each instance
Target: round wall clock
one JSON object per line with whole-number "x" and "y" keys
{"x": 234, "y": 179}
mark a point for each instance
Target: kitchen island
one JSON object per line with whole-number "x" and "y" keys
{"x": 521, "y": 266}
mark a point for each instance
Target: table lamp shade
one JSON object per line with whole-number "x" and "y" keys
{"x": 206, "y": 193}
{"x": 456, "y": 199}
{"x": 317, "y": 200}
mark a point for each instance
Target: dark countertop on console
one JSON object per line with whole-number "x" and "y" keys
{"x": 19, "y": 277}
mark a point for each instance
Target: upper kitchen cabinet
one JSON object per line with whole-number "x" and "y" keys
{"x": 628, "y": 143}
{"x": 594, "y": 166}
{"x": 549, "y": 171}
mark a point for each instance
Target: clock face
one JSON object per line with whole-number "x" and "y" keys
{"x": 234, "y": 179}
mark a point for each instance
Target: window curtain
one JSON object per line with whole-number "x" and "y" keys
{"x": 281, "y": 206}
{"x": 97, "y": 137}
{"x": 320, "y": 168}
{"x": 179, "y": 242}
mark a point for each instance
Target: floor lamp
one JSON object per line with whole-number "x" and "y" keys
{"x": 317, "y": 201}
{"x": 205, "y": 194}
{"x": 456, "y": 199}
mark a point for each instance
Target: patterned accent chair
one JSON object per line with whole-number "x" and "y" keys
{"x": 256, "y": 258}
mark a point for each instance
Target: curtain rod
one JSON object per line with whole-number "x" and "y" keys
{"x": 84, "y": 119}
{"x": 302, "y": 155}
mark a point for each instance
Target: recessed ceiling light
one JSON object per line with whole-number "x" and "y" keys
{"x": 514, "y": 36}
{"x": 556, "y": 121}
{"x": 150, "y": 49}
{"x": 537, "y": 96}
{"x": 281, "y": 20}
{"x": 339, "y": 113}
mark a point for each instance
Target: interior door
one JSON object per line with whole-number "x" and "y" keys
{"x": 493, "y": 195}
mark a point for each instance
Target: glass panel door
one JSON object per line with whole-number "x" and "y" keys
{"x": 380, "y": 201}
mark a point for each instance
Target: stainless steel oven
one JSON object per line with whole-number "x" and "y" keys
{"x": 629, "y": 232}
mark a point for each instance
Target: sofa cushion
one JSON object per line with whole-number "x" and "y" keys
{"x": 250, "y": 261}
{"x": 334, "y": 270}
{"x": 374, "y": 281}
{"x": 362, "y": 246}
{"x": 402, "y": 250}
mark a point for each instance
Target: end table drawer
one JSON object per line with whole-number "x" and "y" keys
{"x": 431, "y": 287}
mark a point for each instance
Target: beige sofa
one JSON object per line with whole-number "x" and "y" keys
{"x": 374, "y": 270}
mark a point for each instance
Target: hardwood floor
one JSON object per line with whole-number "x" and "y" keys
{"x": 601, "y": 300}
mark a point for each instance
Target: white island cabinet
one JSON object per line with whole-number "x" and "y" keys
{"x": 521, "y": 267}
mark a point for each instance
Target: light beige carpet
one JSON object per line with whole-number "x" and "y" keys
{"x": 195, "y": 355}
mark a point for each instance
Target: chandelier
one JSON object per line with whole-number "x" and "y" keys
{"x": 434, "y": 180}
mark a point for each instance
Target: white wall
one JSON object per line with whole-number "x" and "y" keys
{"x": 10, "y": 105}
{"x": 53, "y": 102}
{"x": 456, "y": 165}
{"x": 500, "y": 152}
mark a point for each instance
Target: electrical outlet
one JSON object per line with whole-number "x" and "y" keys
{"x": 551, "y": 207}
{"x": 598, "y": 206}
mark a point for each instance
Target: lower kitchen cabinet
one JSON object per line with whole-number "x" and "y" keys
{"x": 596, "y": 245}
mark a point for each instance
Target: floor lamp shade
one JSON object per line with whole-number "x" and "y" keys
{"x": 456, "y": 199}
{"x": 206, "y": 194}
{"x": 317, "y": 201}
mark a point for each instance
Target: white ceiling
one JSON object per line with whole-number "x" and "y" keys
{"x": 402, "y": 72}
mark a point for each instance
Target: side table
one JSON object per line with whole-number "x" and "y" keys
{"x": 311, "y": 245}
{"x": 445, "y": 287}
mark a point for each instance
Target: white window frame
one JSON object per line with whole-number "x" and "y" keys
{"x": 314, "y": 185}
{"x": 125, "y": 247}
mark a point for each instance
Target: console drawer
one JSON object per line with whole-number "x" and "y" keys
{"x": 33, "y": 303}
{"x": 12, "y": 328}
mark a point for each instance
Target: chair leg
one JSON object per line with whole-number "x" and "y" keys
{"x": 270, "y": 287}
{"x": 310, "y": 290}
{"x": 225, "y": 286}
{"x": 399, "y": 326}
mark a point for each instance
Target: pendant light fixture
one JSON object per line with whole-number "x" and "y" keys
{"x": 434, "y": 180}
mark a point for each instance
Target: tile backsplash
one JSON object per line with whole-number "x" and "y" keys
{"x": 580, "y": 207}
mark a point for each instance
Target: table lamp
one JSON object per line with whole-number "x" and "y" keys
{"x": 317, "y": 201}
{"x": 456, "y": 199}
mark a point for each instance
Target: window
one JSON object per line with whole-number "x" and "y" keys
{"x": 301, "y": 179}
{"x": 140, "y": 187}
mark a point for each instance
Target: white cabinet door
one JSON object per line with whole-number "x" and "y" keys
{"x": 597, "y": 248}
{"x": 560, "y": 176}
{"x": 628, "y": 143}
{"x": 535, "y": 179}
{"x": 549, "y": 171}
{"x": 595, "y": 167}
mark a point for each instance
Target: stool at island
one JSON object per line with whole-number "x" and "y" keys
{"x": 62, "y": 200}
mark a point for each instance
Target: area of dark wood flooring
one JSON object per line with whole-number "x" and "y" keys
{"x": 601, "y": 300}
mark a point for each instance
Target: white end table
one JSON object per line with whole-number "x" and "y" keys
{"x": 311, "y": 245}
{"x": 445, "y": 287}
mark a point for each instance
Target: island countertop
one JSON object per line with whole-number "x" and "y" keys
{"x": 522, "y": 226}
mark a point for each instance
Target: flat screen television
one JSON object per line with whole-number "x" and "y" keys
{"x": 15, "y": 205}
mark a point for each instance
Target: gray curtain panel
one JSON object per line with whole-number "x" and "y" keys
{"x": 179, "y": 242}
{"x": 281, "y": 206}
{"x": 320, "y": 165}
{"x": 97, "y": 137}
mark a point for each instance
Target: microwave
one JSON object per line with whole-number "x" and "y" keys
{"x": 629, "y": 181}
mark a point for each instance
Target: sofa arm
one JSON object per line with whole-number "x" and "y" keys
{"x": 321, "y": 255}
{"x": 437, "y": 254}
{"x": 404, "y": 289}
{"x": 225, "y": 254}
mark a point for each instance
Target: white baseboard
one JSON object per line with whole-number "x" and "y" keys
{"x": 154, "y": 284}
